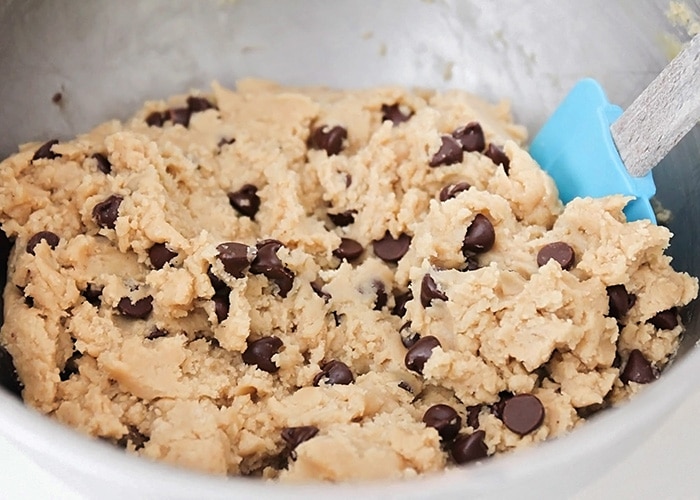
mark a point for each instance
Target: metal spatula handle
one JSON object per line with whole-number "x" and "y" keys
{"x": 659, "y": 118}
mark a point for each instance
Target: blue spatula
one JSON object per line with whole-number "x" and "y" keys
{"x": 591, "y": 148}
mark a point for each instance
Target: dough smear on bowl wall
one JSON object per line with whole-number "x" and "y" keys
{"x": 316, "y": 284}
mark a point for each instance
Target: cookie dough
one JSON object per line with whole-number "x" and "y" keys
{"x": 310, "y": 284}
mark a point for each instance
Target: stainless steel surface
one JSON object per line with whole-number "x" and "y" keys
{"x": 106, "y": 57}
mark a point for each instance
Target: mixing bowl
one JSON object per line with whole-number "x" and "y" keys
{"x": 67, "y": 66}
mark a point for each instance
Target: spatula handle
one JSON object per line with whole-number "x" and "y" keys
{"x": 659, "y": 118}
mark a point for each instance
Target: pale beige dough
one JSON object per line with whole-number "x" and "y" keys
{"x": 187, "y": 397}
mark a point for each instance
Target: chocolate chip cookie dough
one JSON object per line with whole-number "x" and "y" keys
{"x": 309, "y": 284}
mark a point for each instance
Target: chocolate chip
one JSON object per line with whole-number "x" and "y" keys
{"x": 8, "y": 374}
{"x": 334, "y": 372}
{"x": 268, "y": 264}
{"x": 343, "y": 219}
{"x": 480, "y": 235}
{"x": 470, "y": 137}
{"x": 665, "y": 320}
{"x": 294, "y": 436}
{"x": 328, "y": 139}
{"x": 180, "y": 116}
{"x": 452, "y": 190}
{"x": 381, "y": 297}
{"x": 159, "y": 255}
{"x": 137, "y": 310}
{"x": 317, "y": 287}
{"x": 444, "y": 419}
{"x": 619, "y": 301}
{"x": 106, "y": 212}
{"x": 560, "y": 252}
{"x": 391, "y": 250}
{"x": 45, "y": 151}
{"x": 57, "y": 98}
{"x": 337, "y": 317}
{"x": 408, "y": 336}
{"x": 638, "y": 369}
{"x": 406, "y": 386}
{"x": 450, "y": 152}
{"x": 420, "y": 352}
{"x": 497, "y": 407}
{"x": 93, "y": 294}
{"x": 103, "y": 164}
{"x": 471, "y": 263}
{"x": 473, "y": 416}
{"x": 259, "y": 353}
{"x": 498, "y": 157}
{"x": 157, "y": 333}
{"x": 197, "y": 104}
{"x": 219, "y": 286}
{"x": 222, "y": 305}
{"x": 235, "y": 258}
{"x": 393, "y": 112}
{"x": 50, "y": 238}
{"x": 349, "y": 250}
{"x": 246, "y": 200}
{"x": 400, "y": 301}
{"x": 156, "y": 119}
{"x": 429, "y": 291}
{"x": 71, "y": 366}
{"x": 523, "y": 413}
{"x": 469, "y": 447}
{"x": 348, "y": 180}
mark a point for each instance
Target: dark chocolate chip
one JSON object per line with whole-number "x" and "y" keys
{"x": 349, "y": 250}
{"x": 444, "y": 419}
{"x": 157, "y": 333}
{"x": 246, "y": 200}
{"x": 197, "y": 104}
{"x": 50, "y": 238}
{"x": 294, "y": 436}
{"x": 391, "y": 250}
{"x": 469, "y": 447}
{"x": 406, "y": 386}
{"x": 665, "y": 320}
{"x": 219, "y": 286}
{"x": 498, "y": 157}
{"x": 180, "y": 116}
{"x": 159, "y": 255}
{"x": 523, "y": 413}
{"x": 480, "y": 235}
{"x": 259, "y": 353}
{"x": 45, "y": 151}
{"x": 106, "y": 212}
{"x": 470, "y": 137}
{"x": 471, "y": 263}
{"x": 222, "y": 306}
{"x": 317, "y": 287}
{"x": 71, "y": 366}
{"x": 343, "y": 219}
{"x": 450, "y": 152}
{"x": 235, "y": 258}
{"x": 328, "y": 139}
{"x": 408, "y": 336}
{"x": 137, "y": 310}
{"x": 560, "y": 252}
{"x": 393, "y": 112}
{"x": 452, "y": 190}
{"x": 268, "y": 264}
{"x": 619, "y": 301}
{"x": 400, "y": 301}
{"x": 420, "y": 352}
{"x": 93, "y": 294}
{"x": 381, "y": 297}
{"x": 429, "y": 291}
{"x": 638, "y": 369}
{"x": 103, "y": 164}
{"x": 8, "y": 374}
{"x": 334, "y": 372}
{"x": 156, "y": 119}
{"x": 283, "y": 278}
{"x": 337, "y": 317}
{"x": 473, "y": 416}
